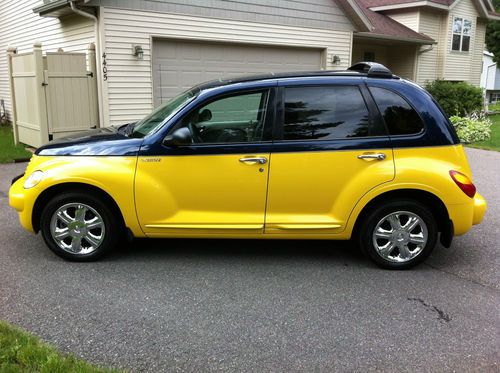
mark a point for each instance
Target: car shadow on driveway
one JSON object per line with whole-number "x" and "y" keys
{"x": 342, "y": 253}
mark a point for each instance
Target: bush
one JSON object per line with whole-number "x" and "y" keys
{"x": 475, "y": 127}
{"x": 456, "y": 98}
{"x": 494, "y": 107}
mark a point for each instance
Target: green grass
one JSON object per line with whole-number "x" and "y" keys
{"x": 8, "y": 151}
{"x": 23, "y": 352}
{"x": 494, "y": 142}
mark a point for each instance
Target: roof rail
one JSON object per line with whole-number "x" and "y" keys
{"x": 372, "y": 69}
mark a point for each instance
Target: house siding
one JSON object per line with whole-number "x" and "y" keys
{"x": 407, "y": 17}
{"x": 324, "y": 14}
{"x": 458, "y": 65}
{"x": 20, "y": 28}
{"x": 430, "y": 65}
{"x": 128, "y": 92}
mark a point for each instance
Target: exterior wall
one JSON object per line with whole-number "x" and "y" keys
{"x": 128, "y": 91}
{"x": 302, "y": 13}
{"x": 20, "y": 27}
{"x": 408, "y": 17}
{"x": 402, "y": 61}
{"x": 359, "y": 49}
{"x": 477, "y": 57}
{"x": 430, "y": 65}
{"x": 458, "y": 65}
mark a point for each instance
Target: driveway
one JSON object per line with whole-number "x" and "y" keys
{"x": 198, "y": 305}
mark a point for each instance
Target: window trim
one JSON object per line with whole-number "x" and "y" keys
{"x": 418, "y": 134}
{"x": 461, "y": 35}
{"x": 269, "y": 117}
{"x": 279, "y": 127}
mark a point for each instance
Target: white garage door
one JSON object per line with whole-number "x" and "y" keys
{"x": 178, "y": 65}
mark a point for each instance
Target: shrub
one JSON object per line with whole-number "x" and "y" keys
{"x": 494, "y": 107}
{"x": 456, "y": 98}
{"x": 476, "y": 127}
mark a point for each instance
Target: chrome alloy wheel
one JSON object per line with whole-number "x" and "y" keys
{"x": 77, "y": 228}
{"x": 400, "y": 236}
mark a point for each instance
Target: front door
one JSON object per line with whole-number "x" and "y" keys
{"x": 218, "y": 183}
{"x": 332, "y": 148}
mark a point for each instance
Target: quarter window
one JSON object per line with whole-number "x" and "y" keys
{"x": 324, "y": 113}
{"x": 462, "y": 29}
{"x": 400, "y": 118}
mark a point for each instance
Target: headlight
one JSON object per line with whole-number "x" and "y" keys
{"x": 33, "y": 179}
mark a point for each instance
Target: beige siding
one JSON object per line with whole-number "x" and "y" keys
{"x": 20, "y": 27}
{"x": 477, "y": 58}
{"x": 402, "y": 61}
{"x": 457, "y": 65}
{"x": 433, "y": 24}
{"x": 407, "y": 17}
{"x": 129, "y": 88}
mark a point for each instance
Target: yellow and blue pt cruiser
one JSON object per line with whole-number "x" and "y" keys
{"x": 358, "y": 154}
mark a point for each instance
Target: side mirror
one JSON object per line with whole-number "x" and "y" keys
{"x": 205, "y": 116}
{"x": 179, "y": 137}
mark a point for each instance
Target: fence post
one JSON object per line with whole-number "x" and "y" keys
{"x": 94, "y": 102}
{"x": 10, "y": 52}
{"x": 40, "y": 92}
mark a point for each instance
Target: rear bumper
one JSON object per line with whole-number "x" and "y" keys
{"x": 479, "y": 209}
{"x": 464, "y": 216}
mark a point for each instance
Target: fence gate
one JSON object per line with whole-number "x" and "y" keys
{"x": 53, "y": 95}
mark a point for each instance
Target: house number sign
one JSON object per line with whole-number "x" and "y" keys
{"x": 104, "y": 67}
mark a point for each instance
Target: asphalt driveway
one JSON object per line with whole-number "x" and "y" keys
{"x": 198, "y": 305}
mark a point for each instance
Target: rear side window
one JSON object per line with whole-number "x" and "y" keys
{"x": 324, "y": 113}
{"x": 399, "y": 116}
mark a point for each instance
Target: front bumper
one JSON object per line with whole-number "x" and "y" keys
{"x": 22, "y": 200}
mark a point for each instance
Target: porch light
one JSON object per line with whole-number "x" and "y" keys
{"x": 336, "y": 60}
{"x": 138, "y": 52}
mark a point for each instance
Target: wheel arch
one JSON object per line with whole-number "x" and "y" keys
{"x": 430, "y": 200}
{"x": 54, "y": 190}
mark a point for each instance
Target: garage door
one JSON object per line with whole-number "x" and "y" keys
{"x": 178, "y": 65}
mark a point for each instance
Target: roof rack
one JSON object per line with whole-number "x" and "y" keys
{"x": 372, "y": 69}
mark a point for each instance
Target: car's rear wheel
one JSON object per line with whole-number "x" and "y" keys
{"x": 79, "y": 227}
{"x": 399, "y": 234}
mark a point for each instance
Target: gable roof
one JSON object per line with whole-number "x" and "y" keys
{"x": 385, "y": 27}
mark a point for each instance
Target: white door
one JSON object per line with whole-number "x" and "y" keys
{"x": 179, "y": 65}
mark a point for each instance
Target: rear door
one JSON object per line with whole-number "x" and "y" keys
{"x": 332, "y": 148}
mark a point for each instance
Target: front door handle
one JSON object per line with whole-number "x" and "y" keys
{"x": 254, "y": 160}
{"x": 378, "y": 156}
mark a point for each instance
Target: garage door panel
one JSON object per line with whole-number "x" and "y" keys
{"x": 178, "y": 65}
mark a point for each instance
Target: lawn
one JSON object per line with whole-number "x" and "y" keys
{"x": 23, "y": 352}
{"x": 494, "y": 142}
{"x": 8, "y": 151}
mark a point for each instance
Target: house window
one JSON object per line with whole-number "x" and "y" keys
{"x": 461, "y": 34}
{"x": 494, "y": 97}
{"x": 369, "y": 57}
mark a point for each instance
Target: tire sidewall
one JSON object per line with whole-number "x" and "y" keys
{"x": 111, "y": 230}
{"x": 366, "y": 234}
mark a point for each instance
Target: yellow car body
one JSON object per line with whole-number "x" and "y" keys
{"x": 195, "y": 172}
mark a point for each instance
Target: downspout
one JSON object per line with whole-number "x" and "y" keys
{"x": 426, "y": 50}
{"x": 97, "y": 55}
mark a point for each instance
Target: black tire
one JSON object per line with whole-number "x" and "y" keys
{"x": 112, "y": 226}
{"x": 375, "y": 215}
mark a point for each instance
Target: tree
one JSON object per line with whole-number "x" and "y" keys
{"x": 493, "y": 35}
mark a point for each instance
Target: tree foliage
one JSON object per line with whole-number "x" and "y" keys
{"x": 493, "y": 35}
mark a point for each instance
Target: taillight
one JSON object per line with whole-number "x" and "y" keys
{"x": 463, "y": 183}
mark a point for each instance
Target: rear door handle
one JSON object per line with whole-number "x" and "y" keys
{"x": 378, "y": 156}
{"x": 254, "y": 160}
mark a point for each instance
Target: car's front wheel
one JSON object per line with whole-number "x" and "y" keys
{"x": 78, "y": 227}
{"x": 399, "y": 234}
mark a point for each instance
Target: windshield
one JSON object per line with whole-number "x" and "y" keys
{"x": 162, "y": 112}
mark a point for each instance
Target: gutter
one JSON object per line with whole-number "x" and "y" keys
{"x": 97, "y": 55}
{"x": 397, "y": 38}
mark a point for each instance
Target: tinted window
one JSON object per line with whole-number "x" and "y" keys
{"x": 324, "y": 113}
{"x": 398, "y": 115}
{"x": 231, "y": 119}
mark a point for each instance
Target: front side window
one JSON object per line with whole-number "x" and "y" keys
{"x": 462, "y": 29}
{"x": 400, "y": 118}
{"x": 230, "y": 119}
{"x": 325, "y": 113}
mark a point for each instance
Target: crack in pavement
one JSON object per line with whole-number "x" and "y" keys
{"x": 442, "y": 316}
{"x": 463, "y": 278}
